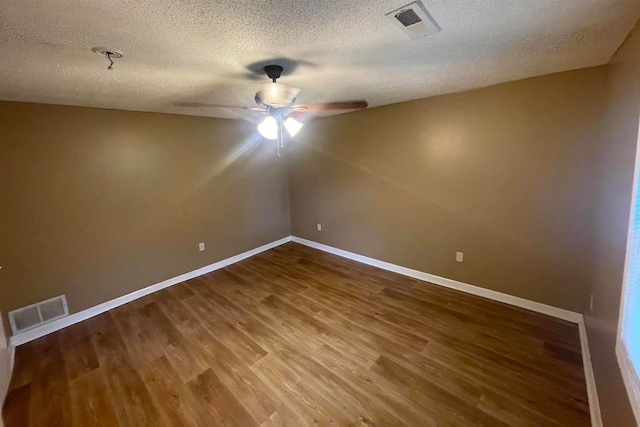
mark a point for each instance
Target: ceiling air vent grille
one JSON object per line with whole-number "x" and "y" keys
{"x": 414, "y": 20}
{"x": 408, "y": 17}
{"x": 34, "y": 315}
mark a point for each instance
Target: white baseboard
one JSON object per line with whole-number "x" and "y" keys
{"x": 592, "y": 391}
{"x": 449, "y": 283}
{"x": 56, "y": 325}
{"x": 594, "y": 406}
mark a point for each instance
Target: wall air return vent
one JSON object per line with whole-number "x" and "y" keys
{"x": 31, "y": 316}
{"x": 414, "y": 20}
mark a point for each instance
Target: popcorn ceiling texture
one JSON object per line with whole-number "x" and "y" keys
{"x": 199, "y": 50}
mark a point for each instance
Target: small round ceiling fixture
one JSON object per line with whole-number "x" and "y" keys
{"x": 108, "y": 53}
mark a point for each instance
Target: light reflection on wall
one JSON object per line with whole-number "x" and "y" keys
{"x": 445, "y": 145}
{"x": 244, "y": 149}
{"x": 128, "y": 154}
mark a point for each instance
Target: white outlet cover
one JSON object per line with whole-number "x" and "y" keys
{"x": 319, "y": 227}
{"x": 459, "y": 256}
{"x": 201, "y": 246}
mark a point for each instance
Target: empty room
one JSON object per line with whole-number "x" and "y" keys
{"x": 314, "y": 213}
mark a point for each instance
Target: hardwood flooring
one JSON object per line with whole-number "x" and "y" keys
{"x": 296, "y": 337}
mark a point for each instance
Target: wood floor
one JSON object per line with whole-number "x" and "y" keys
{"x": 297, "y": 337}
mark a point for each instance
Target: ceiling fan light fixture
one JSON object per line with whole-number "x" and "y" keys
{"x": 269, "y": 128}
{"x": 293, "y": 126}
{"x": 277, "y": 95}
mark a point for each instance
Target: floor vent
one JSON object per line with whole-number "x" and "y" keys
{"x": 34, "y": 315}
{"x": 414, "y": 20}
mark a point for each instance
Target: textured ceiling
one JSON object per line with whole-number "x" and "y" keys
{"x": 204, "y": 50}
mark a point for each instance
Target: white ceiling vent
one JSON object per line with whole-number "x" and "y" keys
{"x": 31, "y": 316}
{"x": 414, "y": 20}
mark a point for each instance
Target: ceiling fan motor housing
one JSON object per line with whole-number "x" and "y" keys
{"x": 276, "y": 95}
{"x": 273, "y": 71}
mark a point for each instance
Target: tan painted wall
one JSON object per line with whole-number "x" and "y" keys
{"x": 5, "y": 366}
{"x": 503, "y": 174}
{"x": 5, "y": 375}
{"x": 99, "y": 203}
{"x": 614, "y": 188}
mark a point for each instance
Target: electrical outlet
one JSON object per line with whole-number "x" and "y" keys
{"x": 591, "y": 303}
{"x": 459, "y": 256}
{"x": 319, "y": 227}
{"x": 201, "y": 246}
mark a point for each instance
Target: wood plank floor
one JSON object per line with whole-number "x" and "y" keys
{"x": 298, "y": 337}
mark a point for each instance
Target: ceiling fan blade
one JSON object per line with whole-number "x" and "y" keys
{"x": 346, "y": 105}
{"x": 206, "y": 105}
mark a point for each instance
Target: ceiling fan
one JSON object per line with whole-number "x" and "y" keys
{"x": 277, "y": 102}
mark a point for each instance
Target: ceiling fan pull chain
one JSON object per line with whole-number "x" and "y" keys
{"x": 278, "y": 142}
{"x": 279, "y": 139}
{"x": 281, "y": 131}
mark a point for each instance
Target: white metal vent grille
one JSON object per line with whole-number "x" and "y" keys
{"x": 414, "y": 20}
{"x": 31, "y": 316}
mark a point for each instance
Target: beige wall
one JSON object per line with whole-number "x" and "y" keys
{"x": 6, "y": 362}
{"x": 504, "y": 174}
{"x": 99, "y": 203}
{"x": 5, "y": 375}
{"x": 614, "y": 188}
